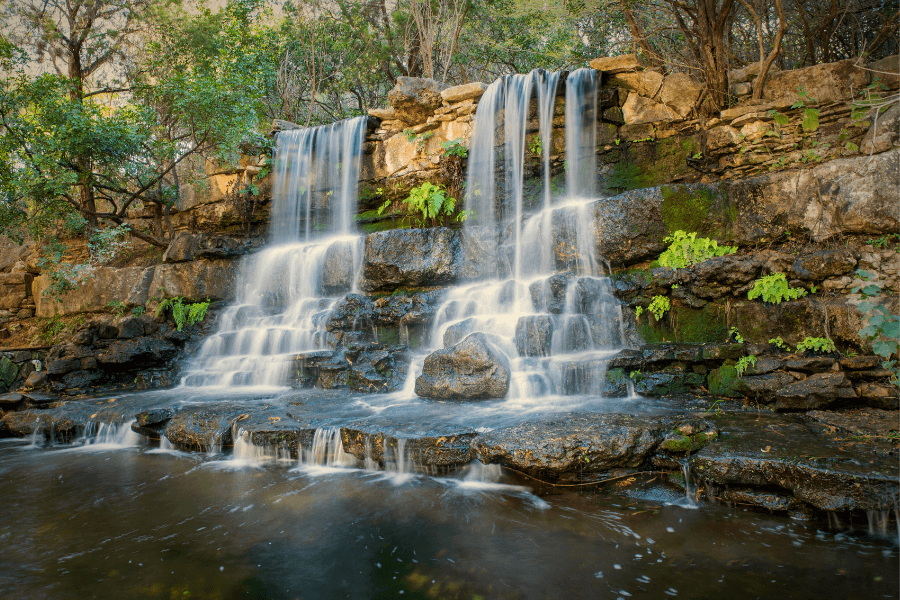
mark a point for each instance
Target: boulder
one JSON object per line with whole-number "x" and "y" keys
{"x": 434, "y": 449}
{"x": 617, "y": 64}
{"x": 414, "y": 99}
{"x": 204, "y": 428}
{"x": 457, "y": 332}
{"x": 337, "y": 273}
{"x": 384, "y": 114}
{"x": 130, "y": 286}
{"x": 131, "y": 328}
{"x": 762, "y": 387}
{"x": 827, "y": 82}
{"x": 638, "y": 110}
{"x": 187, "y": 246}
{"x": 645, "y": 83}
{"x": 462, "y": 92}
{"x": 410, "y": 258}
{"x": 534, "y": 335}
{"x": 196, "y": 281}
{"x": 815, "y": 392}
{"x": 824, "y": 264}
{"x": 887, "y": 71}
{"x": 679, "y": 93}
{"x": 879, "y": 396}
{"x": 471, "y": 369}
{"x": 36, "y": 379}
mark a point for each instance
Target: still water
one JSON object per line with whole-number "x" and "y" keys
{"x": 107, "y": 521}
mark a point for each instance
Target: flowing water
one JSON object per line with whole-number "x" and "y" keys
{"x": 147, "y": 522}
{"x": 285, "y": 292}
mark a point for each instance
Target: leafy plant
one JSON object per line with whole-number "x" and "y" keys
{"x": 410, "y": 134}
{"x": 431, "y": 201}
{"x": 774, "y": 288}
{"x": 138, "y": 311}
{"x": 883, "y": 241}
{"x": 816, "y": 344}
{"x": 117, "y": 308}
{"x": 455, "y": 148}
{"x": 882, "y": 327}
{"x": 422, "y": 139}
{"x": 686, "y": 249}
{"x": 779, "y": 343}
{"x": 734, "y": 333}
{"x": 536, "y": 145}
{"x": 182, "y": 313}
{"x": 744, "y": 363}
{"x": 659, "y": 306}
{"x": 638, "y": 311}
{"x": 383, "y": 208}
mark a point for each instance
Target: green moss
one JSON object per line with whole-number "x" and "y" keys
{"x": 723, "y": 382}
{"x": 647, "y": 164}
{"x": 616, "y": 376}
{"x": 678, "y": 443}
{"x": 684, "y": 324}
{"x": 389, "y": 336}
{"x": 8, "y": 371}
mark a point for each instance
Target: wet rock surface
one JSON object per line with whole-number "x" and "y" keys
{"x": 411, "y": 258}
{"x": 471, "y": 369}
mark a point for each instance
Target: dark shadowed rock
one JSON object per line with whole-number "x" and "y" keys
{"x": 429, "y": 450}
{"x": 144, "y": 351}
{"x": 410, "y": 258}
{"x": 816, "y": 391}
{"x": 471, "y": 369}
{"x": 879, "y": 396}
{"x": 824, "y": 264}
{"x": 131, "y": 328}
{"x": 763, "y": 387}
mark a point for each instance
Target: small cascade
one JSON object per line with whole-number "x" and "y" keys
{"x": 327, "y": 450}
{"x": 550, "y": 310}
{"x": 691, "y": 485}
{"x": 286, "y": 291}
{"x": 110, "y": 435}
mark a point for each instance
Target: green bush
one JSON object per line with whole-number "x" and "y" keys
{"x": 686, "y": 249}
{"x": 774, "y": 288}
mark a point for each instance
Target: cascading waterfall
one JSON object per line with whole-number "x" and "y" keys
{"x": 286, "y": 291}
{"x": 550, "y": 310}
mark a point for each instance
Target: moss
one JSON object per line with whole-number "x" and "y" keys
{"x": 616, "y": 376}
{"x": 647, "y": 164}
{"x": 723, "y": 382}
{"x": 388, "y": 335}
{"x": 684, "y": 324}
{"x": 678, "y": 443}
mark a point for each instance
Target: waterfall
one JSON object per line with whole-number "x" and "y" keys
{"x": 551, "y": 310}
{"x": 286, "y": 291}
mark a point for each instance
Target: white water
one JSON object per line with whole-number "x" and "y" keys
{"x": 286, "y": 291}
{"x": 537, "y": 237}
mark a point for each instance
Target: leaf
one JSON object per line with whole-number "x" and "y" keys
{"x": 810, "y": 119}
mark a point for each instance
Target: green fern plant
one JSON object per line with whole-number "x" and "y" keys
{"x": 816, "y": 344}
{"x": 744, "y": 363}
{"x": 686, "y": 249}
{"x": 183, "y": 313}
{"x": 659, "y": 306}
{"x": 431, "y": 201}
{"x": 774, "y": 288}
{"x": 780, "y": 344}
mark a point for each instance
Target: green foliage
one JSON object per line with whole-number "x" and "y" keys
{"x": 138, "y": 311}
{"x": 733, "y": 333}
{"x": 536, "y": 145}
{"x": 117, "y": 307}
{"x": 816, "y": 344}
{"x": 882, "y": 326}
{"x": 638, "y": 311}
{"x": 883, "y": 241}
{"x": 686, "y": 249}
{"x": 455, "y": 147}
{"x": 182, "y": 313}
{"x": 774, "y": 288}
{"x": 659, "y": 306}
{"x": 744, "y": 363}
{"x": 431, "y": 201}
{"x": 780, "y": 344}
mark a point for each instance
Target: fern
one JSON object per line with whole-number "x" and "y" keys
{"x": 743, "y": 364}
{"x": 774, "y": 288}
{"x": 816, "y": 344}
{"x": 659, "y": 306}
{"x": 686, "y": 249}
{"x": 183, "y": 314}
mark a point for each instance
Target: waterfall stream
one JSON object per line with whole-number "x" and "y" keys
{"x": 285, "y": 291}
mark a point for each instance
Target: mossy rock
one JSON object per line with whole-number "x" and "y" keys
{"x": 697, "y": 208}
{"x": 685, "y": 324}
{"x": 648, "y": 164}
{"x": 724, "y": 382}
{"x": 8, "y": 371}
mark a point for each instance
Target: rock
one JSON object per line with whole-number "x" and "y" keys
{"x": 824, "y": 82}
{"x": 815, "y": 364}
{"x": 767, "y": 500}
{"x": 661, "y": 384}
{"x": 385, "y": 114}
{"x": 478, "y": 253}
{"x": 782, "y": 453}
{"x": 824, "y": 264}
{"x": 887, "y": 71}
{"x": 431, "y": 450}
{"x": 679, "y": 93}
{"x": 135, "y": 353}
{"x": 748, "y": 72}
{"x": 723, "y": 351}
{"x": 879, "y": 396}
{"x": 457, "y": 332}
{"x": 129, "y": 285}
{"x": 462, "y": 92}
{"x": 107, "y": 331}
{"x": 534, "y": 335}
{"x": 414, "y": 99}
{"x": 817, "y": 391}
{"x": 617, "y": 64}
{"x": 740, "y": 89}
{"x": 63, "y": 366}
{"x": 645, "y": 83}
{"x": 765, "y": 364}
{"x": 724, "y": 382}
{"x": 883, "y": 133}
{"x": 10, "y": 401}
{"x": 471, "y": 369}
{"x": 655, "y": 353}
{"x": 196, "y": 281}
{"x": 337, "y": 273}
{"x": 722, "y": 136}
{"x": 638, "y": 110}
{"x": 131, "y": 328}
{"x": 203, "y": 428}
{"x": 762, "y": 387}
{"x": 861, "y": 363}
{"x": 410, "y": 257}
{"x": 36, "y": 379}
{"x": 689, "y": 437}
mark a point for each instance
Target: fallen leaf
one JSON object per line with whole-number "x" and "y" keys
{"x": 766, "y": 449}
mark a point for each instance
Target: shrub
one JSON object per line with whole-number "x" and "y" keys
{"x": 816, "y": 344}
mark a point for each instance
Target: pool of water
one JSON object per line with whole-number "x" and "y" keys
{"x": 107, "y": 521}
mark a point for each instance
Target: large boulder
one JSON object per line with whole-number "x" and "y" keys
{"x": 471, "y": 369}
{"x": 410, "y": 258}
{"x": 129, "y": 286}
{"x": 187, "y": 246}
{"x": 195, "y": 281}
{"x": 825, "y": 83}
{"x": 814, "y": 392}
{"x": 414, "y": 99}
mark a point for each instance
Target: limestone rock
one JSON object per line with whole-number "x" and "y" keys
{"x": 410, "y": 257}
{"x": 414, "y": 99}
{"x": 883, "y": 134}
{"x": 817, "y": 391}
{"x": 464, "y": 92}
{"x": 824, "y": 264}
{"x": 824, "y": 83}
{"x": 195, "y": 281}
{"x": 107, "y": 284}
{"x": 617, "y": 64}
{"x": 385, "y": 114}
{"x": 337, "y": 274}
{"x": 887, "y": 71}
{"x": 190, "y": 246}
{"x": 471, "y": 369}
{"x": 639, "y": 110}
{"x": 763, "y": 387}
{"x": 645, "y": 83}
{"x": 879, "y": 396}
{"x": 679, "y": 92}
